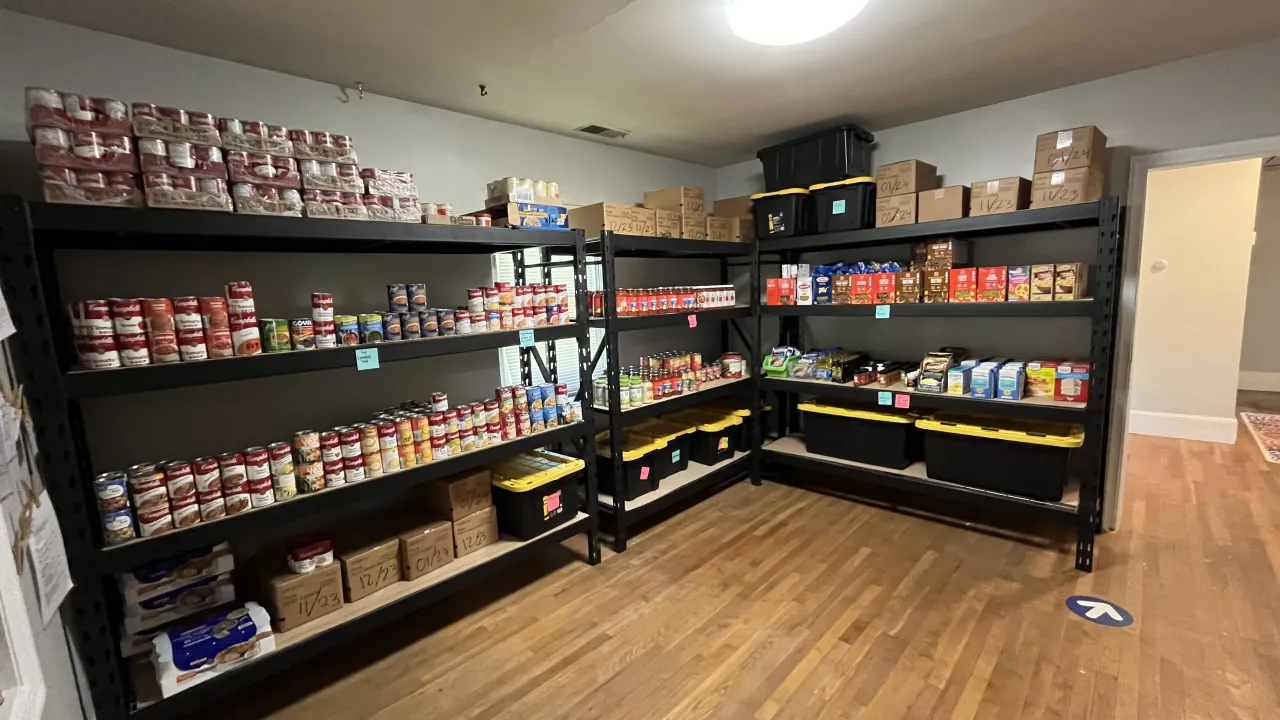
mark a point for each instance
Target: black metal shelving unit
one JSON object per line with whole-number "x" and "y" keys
{"x": 44, "y": 358}
{"x": 1082, "y": 504}
{"x": 618, "y": 514}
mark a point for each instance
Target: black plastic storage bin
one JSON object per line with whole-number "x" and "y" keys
{"x": 713, "y": 442}
{"x": 641, "y": 465}
{"x": 866, "y": 436}
{"x": 844, "y": 205}
{"x": 782, "y": 214}
{"x": 677, "y": 436}
{"x": 535, "y": 492}
{"x": 1020, "y": 458}
{"x": 833, "y": 154}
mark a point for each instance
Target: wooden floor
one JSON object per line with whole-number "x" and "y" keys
{"x": 773, "y": 602}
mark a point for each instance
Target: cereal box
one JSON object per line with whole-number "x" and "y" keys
{"x": 964, "y": 284}
{"x": 885, "y": 287}
{"x": 1071, "y": 382}
{"x": 1019, "y": 283}
{"x": 992, "y": 284}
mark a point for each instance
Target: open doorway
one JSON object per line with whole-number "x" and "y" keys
{"x": 1194, "y": 225}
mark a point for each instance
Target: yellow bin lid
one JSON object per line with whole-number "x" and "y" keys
{"x": 1035, "y": 433}
{"x": 527, "y": 471}
{"x": 666, "y": 431}
{"x": 788, "y": 191}
{"x": 851, "y": 181}
{"x": 705, "y": 420}
{"x": 817, "y": 407}
{"x": 633, "y": 448}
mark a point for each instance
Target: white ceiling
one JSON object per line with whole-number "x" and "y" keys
{"x": 670, "y": 70}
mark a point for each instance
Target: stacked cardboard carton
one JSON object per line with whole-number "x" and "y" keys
{"x": 898, "y": 186}
{"x": 731, "y": 219}
{"x": 467, "y": 502}
{"x": 689, "y": 202}
{"x": 991, "y": 197}
{"x": 1070, "y": 167}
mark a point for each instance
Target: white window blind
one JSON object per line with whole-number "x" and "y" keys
{"x": 566, "y": 349}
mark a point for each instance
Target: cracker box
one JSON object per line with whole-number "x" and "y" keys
{"x": 1019, "y": 283}
{"x": 1042, "y": 277}
{"x": 885, "y": 288}
{"x": 992, "y": 284}
{"x": 909, "y": 288}
{"x": 937, "y": 288}
{"x": 964, "y": 284}
{"x": 1069, "y": 281}
{"x": 1071, "y": 382}
{"x": 1040, "y": 378}
{"x": 863, "y": 290}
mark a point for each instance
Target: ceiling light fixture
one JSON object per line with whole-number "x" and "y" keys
{"x": 789, "y": 22}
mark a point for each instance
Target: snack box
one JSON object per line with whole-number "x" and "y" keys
{"x": 1069, "y": 281}
{"x": 964, "y": 284}
{"x": 530, "y": 216}
{"x": 983, "y": 380}
{"x": 1010, "y": 382}
{"x": 1071, "y": 382}
{"x": 933, "y": 373}
{"x": 1042, "y": 277}
{"x": 958, "y": 379}
{"x": 188, "y": 656}
{"x": 992, "y": 284}
{"x": 1040, "y": 378}
{"x": 885, "y": 288}
{"x": 842, "y": 289}
{"x": 936, "y": 287}
{"x": 909, "y": 287}
{"x": 804, "y": 290}
{"x": 1019, "y": 283}
{"x": 863, "y": 289}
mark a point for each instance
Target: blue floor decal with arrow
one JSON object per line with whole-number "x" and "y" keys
{"x": 1099, "y": 611}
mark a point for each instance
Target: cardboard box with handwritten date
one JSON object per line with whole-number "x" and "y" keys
{"x": 1066, "y": 187}
{"x": 425, "y": 548}
{"x": 693, "y": 226}
{"x": 681, "y": 198}
{"x": 896, "y": 210}
{"x": 456, "y": 497}
{"x": 294, "y": 599}
{"x": 668, "y": 223}
{"x": 644, "y": 222}
{"x": 1082, "y": 147}
{"x": 475, "y": 531}
{"x": 905, "y": 178}
{"x": 368, "y": 566}
{"x": 614, "y": 217}
{"x": 992, "y": 197}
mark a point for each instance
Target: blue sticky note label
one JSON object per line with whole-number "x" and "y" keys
{"x": 884, "y": 398}
{"x": 367, "y": 359}
{"x": 837, "y": 207}
{"x": 882, "y": 312}
{"x": 526, "y": 338}
{"x": 675, "y": 456}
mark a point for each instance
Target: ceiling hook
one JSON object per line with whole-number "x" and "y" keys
{"x": 360, "y": 89}
{"x": 484, "y": 90}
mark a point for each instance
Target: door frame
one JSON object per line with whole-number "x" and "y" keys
{"x": 1139, "y": 167}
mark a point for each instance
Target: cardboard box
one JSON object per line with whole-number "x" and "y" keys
{"x": 719, "y": 229}
{"x": 368, "y": 568}
{"x": 822, "y": 290}
{"x": 425, "y": 548}
{"x": 456, "y": 497}
{"x": 644, "y": 222}
{"x": 1019, "y": 283}
{"x": 909, "y": 287}
{"x": 948, "y": 203}
{"x": 681, "y": 198}
{"x": 884, "y": 288}
{"x": 1010, "y": 382}
{"x": 693, "y": 226}
{"x": 733, "y": 207}
{"x": 475, "y": 531}
{"x": 905, "y": 178}
{"x": 787, "y": 291}
{"x": 1069, "y": 281}
{"x": 593, "y": 219}
{"x": 842, "y": 289}
{"x": 667, "y": 223}
{"x": 964, "y": 284}
{"x": 1082, "y": 147}
{"x": 897, "y": 210}
{"x": 520, "y": 197}
{"x": 1040, "y": 378}
{"x": 294, "y": 600}
{"x": 529, "y": 216}
{"x": 942, "y": 254}
{"x": 983, "y": 380}
{"x": 1066, "y": 187}
{"x": 1071, "y": 382}
{"x": 741, "y": 229}
{"x": 773, "y": 291}
{"x": 993, "y": 283}
{"x": 1042, "y": 278}
{"x": 999, "y": 196}
{"x": 863, "y": 289}
{"x": 937, "y": 287}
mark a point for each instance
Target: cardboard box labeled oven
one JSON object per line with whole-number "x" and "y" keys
{"x": 1082, "y": 147}
{"x": 905, "y": 178}
{"x": 295, "y": 599}
{"x": 454, "y": 498}
{"x": 999, "y": 196}
{"x": 369, "y": 567}
{"x": 681, "y": 198}
{"x": 948, "y": 203}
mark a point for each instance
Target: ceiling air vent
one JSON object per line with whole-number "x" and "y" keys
{"x": 604, "y": 132}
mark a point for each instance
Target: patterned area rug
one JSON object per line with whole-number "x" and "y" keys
{"x": 1266, "y": 431}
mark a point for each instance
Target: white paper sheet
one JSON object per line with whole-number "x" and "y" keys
{"x": 48, "y": 559}
{"x": 6, "y": 322}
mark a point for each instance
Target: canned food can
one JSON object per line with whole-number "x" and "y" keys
{"x": 179, "y": 481}
{"x": 64, "y": 176}
{"x": 341, "y": 141}
{"x": 440, "y": 448}
{"x": 306, "y": 443}
{"x": 237, "y": 501}
{"x": 322, "y": 306}
{"x": 310, "y": 477}
{"x": 387, "y": 435}
{"x": 549, "y": 416}
{"x": 480, "y": 325}
{"x": 391, "y": 326}
{"x": 390, "y": 460}
{"x": 205, "y": 472}
{"x": 422, "y": 451}
{"x": 202, "y": 119}
{"x": 331, "y": 444}
{"x": 492, "y": 299}
{"x": 408, "y": 458}
{"x": 417, "y": 296}
{"x": 521, "y": 397}
{"x": 371, "y": 328}
{"x": 154, "y": 522}
{"x": 257, "y": 465}
{"x": 475, "y": 300}
{"x": 117, "y": 526}
{"x": 186, "y": 313}
{"x": 325, "y": 333}
{"x": 51, "y": 137}
{"x": 537, "y": 421}
{"x": 467, "y": 440}
{"x": 261, "y": 492}
{"x": 213, "y": 186}
{"x": 509, "y": 426}
{"x": 533, "y": 397}
{"x": 462, "y": 321}
{"x": 284, "y": 486}
{"x": 523, "y": 424}
{"x": 185, "y": 512}
{"x": 506, "y": 399}
{"x": 231, "y": 467}
{"x": 446, "y": 321}
{"x": 181, "y": 155}
{"x": 191, "y": 345}
{"x": 212, "y": 506}
{"x": 451, "y": 421}
{"x": 436, "y": 425}
{"x": 328, "y": 169}
{"x": 439, "y": 402}
{"x": 429, "y": 322}
{"x": 398, "y": 298}
{"x": 478, "y": 417}
{"x": 301, "y": 334}
{"x": 404, "y": 430}
{"x": 335, "y": 473}
{"x": 91, "y": 179}
{"x": 347, "y": 329}
{"x": 122, "y": 181}
{"x": 484, "y": 220}
{"x": 230, "y": 125}
{"x": 301, "y": 136}
{"x": 132, "y": 350}
{"x": 496, "y": 322}
{"x": 320, "y": 137}
{"x": 112, "y": 491}
{"x": 410, "y": 326}
{"x": 368, "y": 438}
{"x": 280, "y": 458}
{"x": 354, "y": 468}
{"x": 492, "y": 411}
{"x": 275, "y": 334}
{"x": 455, "y": 443}
{"x": 508, "y": 320}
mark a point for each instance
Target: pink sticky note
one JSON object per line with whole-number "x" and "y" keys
{"x": 902, "y": 400}
{"x": 644, "y": 473}
{"x": 552, "y": 502}
{"x": 693, "y": 320}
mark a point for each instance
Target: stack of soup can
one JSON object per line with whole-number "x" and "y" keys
{"x": 183, "y": 165}
{"x": 85, "y": 148}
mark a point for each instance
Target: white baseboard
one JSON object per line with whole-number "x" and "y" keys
{"x": 1188, "y": 427}
{"x": 1256, "y": 380}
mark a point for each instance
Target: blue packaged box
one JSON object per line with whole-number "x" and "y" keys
{"x": 530, "y": 216}
{"x": 821, "y": 289}
{"x": 982, "y": 381}
{"x": 958, "y": 379}
{"x": 1012, "y": 380}
{"x": 187, "y": 656}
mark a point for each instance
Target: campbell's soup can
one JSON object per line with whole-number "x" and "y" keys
{"x": 387, "y": 435}
{"x": 354, "y": 468}
{"x": 232, "y": 469}
{"x": 335, "y": 473}
{"x": 181, "y": 155}
{"x": 191, "y": 345}
{"x": 181, "y": 182}
{"x": 257, "y": 463}
{"x": 91, "y": 179}
{"x": 133, "y": 349}
{"x": 319, "y": 137}
{"x": 121, "y": 181}
{"x": 256, "y": 128}
{"x": 261, "y": 492}
{"x": 341, "y": 141}
{"x": 155, "y": 521}
{"x": 126, "y": 316}
{"x": 201, "y": 119}
{"x": 63, "y": 176}
{"x": 372, "y": 464}
{"x": 277, "y": 132}
{"x": 186, "y": 313}
{"x": 155, "y": 181}
{"x": 230, "y": 125}
{"x": 51, "y": 137}
{"x": 206, "y": 474}
{"x": 440, "y": 448}
{"x": 302, "y": 136}
{"x": 325, "y": 333}
{"x": 280, "y": 458}
{"x": 99, "y": 353}
{"x": 77, "y": 107}
{"x": 437, "y": 426}
{"x": 177, "y": 115}
{"x": 213, "y": 186}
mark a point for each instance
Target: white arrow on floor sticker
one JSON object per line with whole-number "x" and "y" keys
{"x": 1098, "y": 609}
